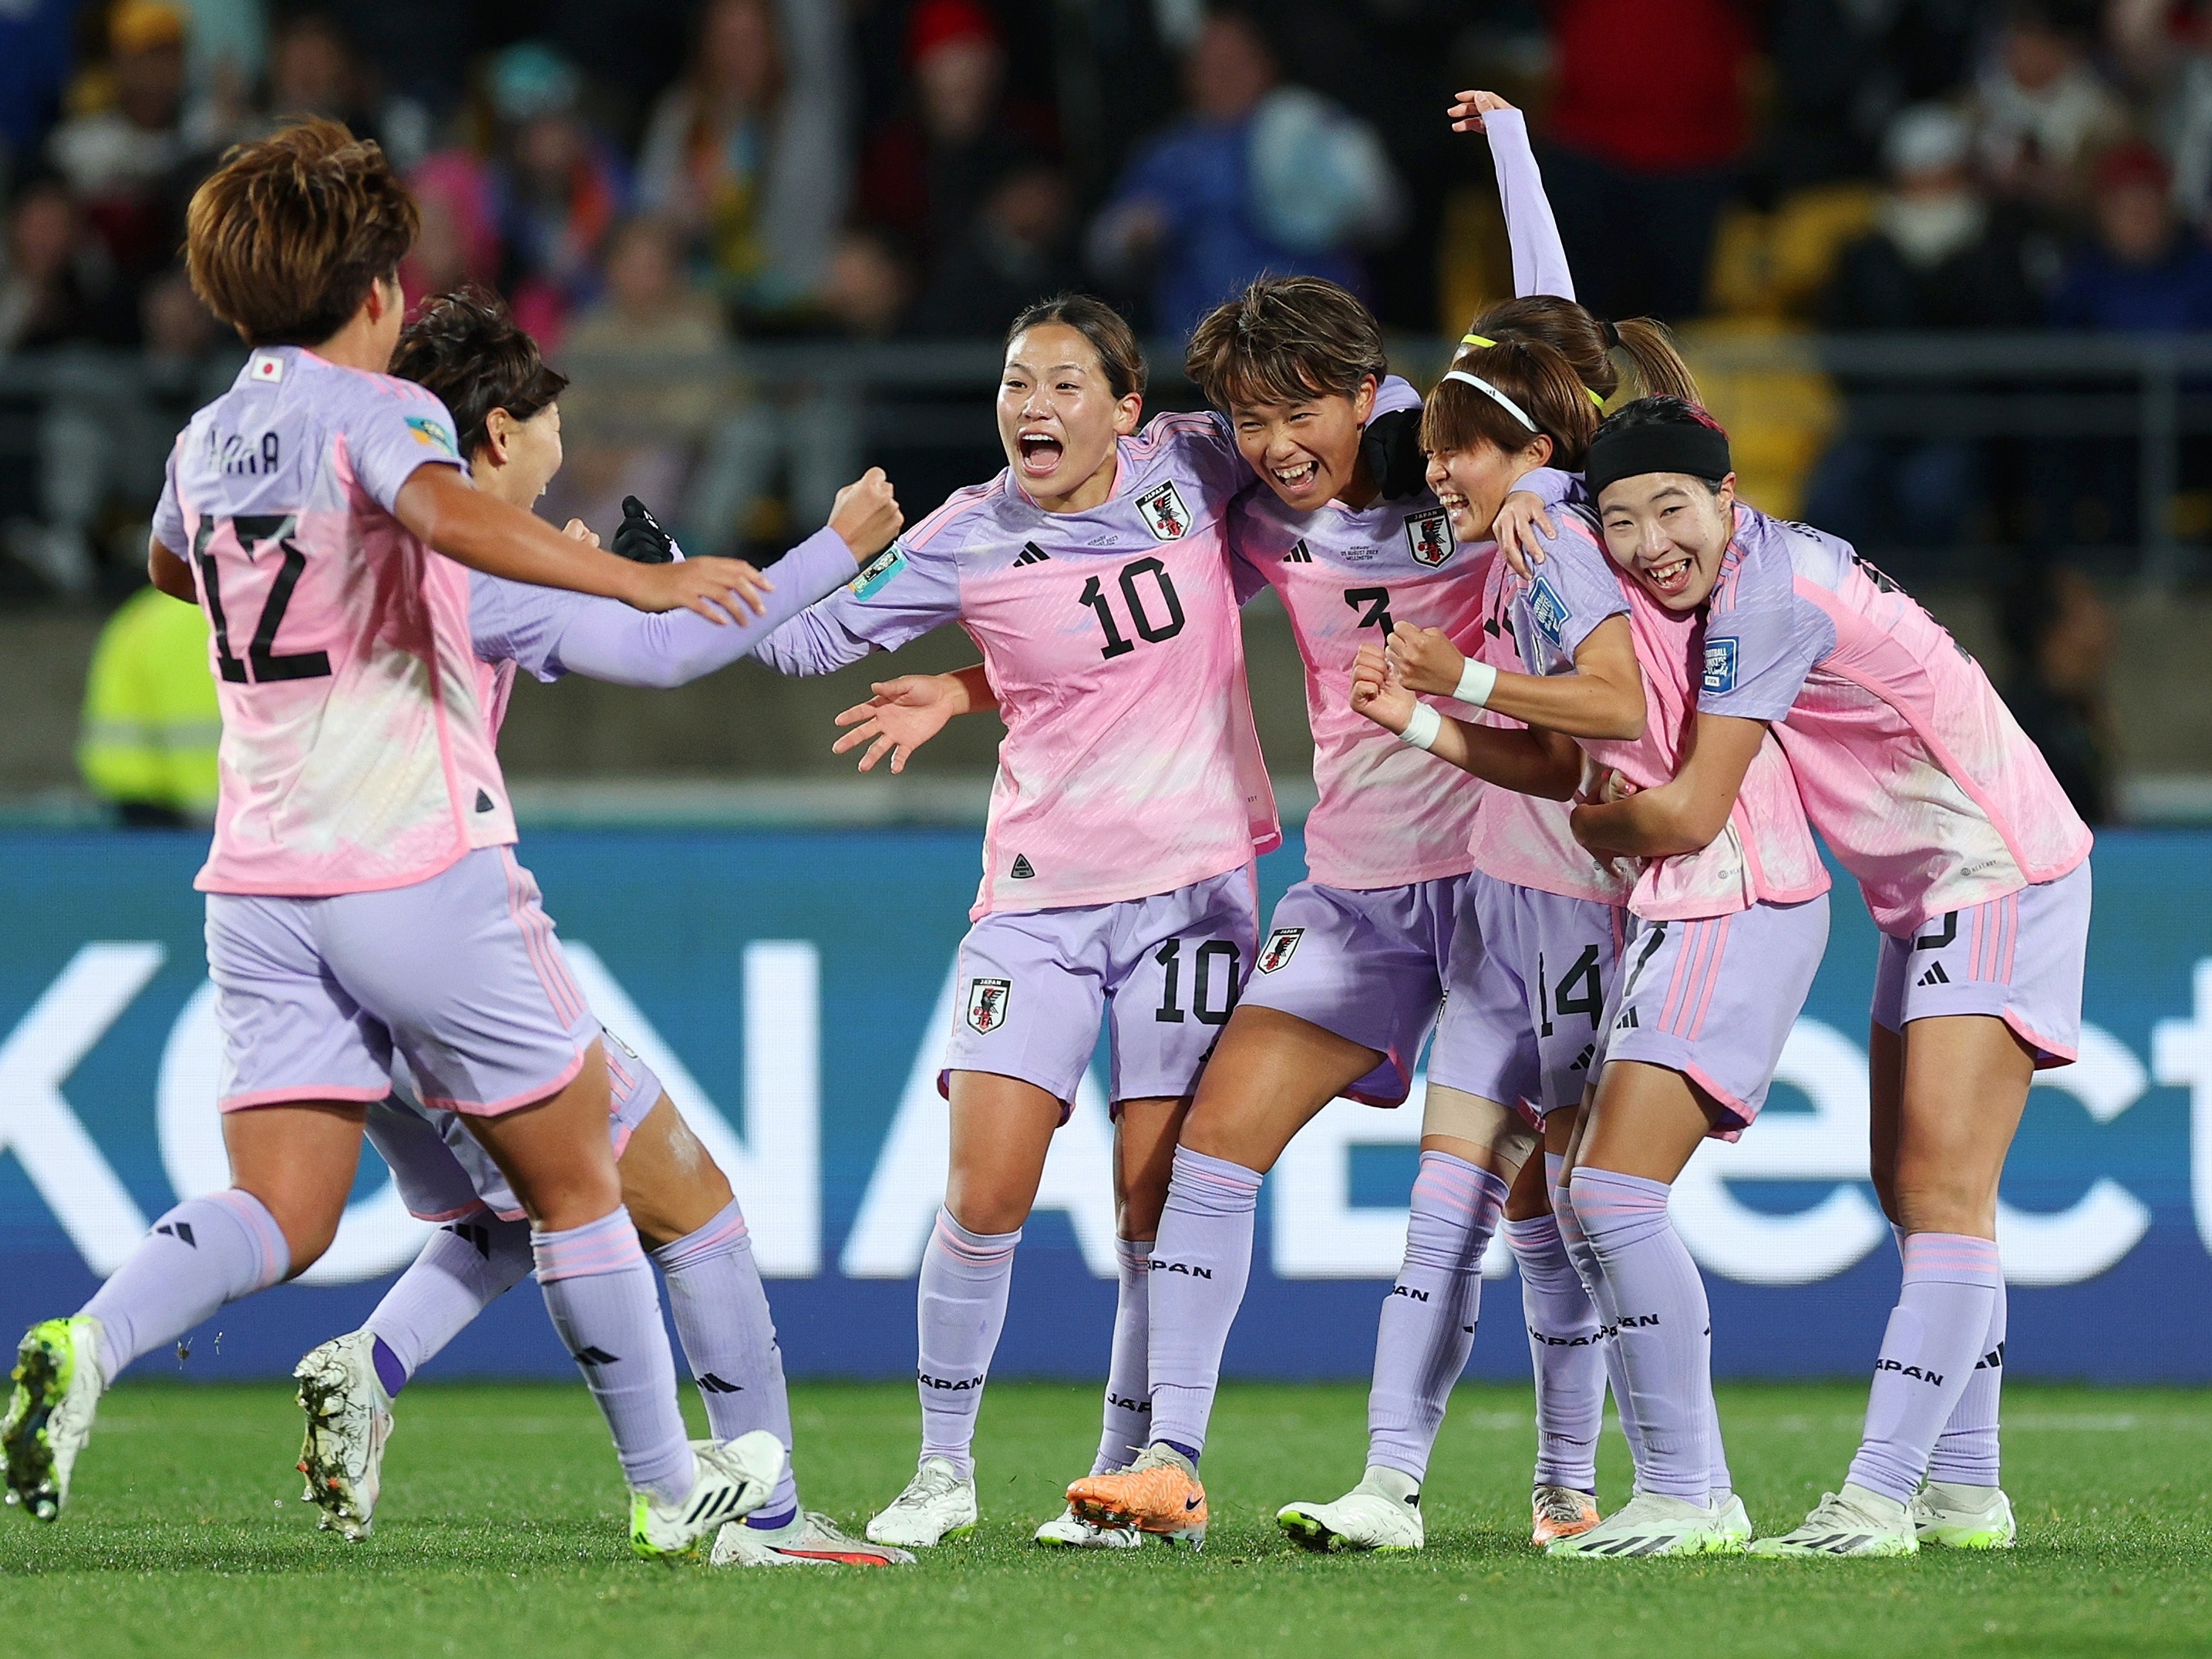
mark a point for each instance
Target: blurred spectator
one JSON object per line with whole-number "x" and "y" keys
{"x": 1016, "y": 251}
{"x": 116, "y": 158}
{"x": 1255, "y": 177}
{"x": 2061, "y": 638}
{"x": 636, "y": 427}
{"x": 1842, "y": 69}
{"x": 55, "y": 288}
{"x": 2142, "y": 273}
{"x": 550, "y": 194}
{"x": 2165, "y": 47}
{"x": 1941, "y": 257}
{"x": 2041, "y": 108}
{"x": 928, "y": 170}
{"x": 147, "y": 744}
{"x": 868, "y": 287}
{"x": 746, "y": 155}
{"x": 1649, "y": 118}
{"x": 312, "y": 71}
{"x": 35, "y": 41}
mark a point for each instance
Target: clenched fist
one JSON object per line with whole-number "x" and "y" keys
{"x": 866, "y": 514}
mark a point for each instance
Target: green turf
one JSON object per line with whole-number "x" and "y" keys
{"x": 499, "y": 1532}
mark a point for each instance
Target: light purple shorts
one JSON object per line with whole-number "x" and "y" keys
{"x": 1530, "y": 972}
{"x": 443, "y": 1172}
{"x": 461, "y": 976}
{"x": 2018, "y": 958}
{"x": 1366, "y": 963}
{"x": 1715, "y": 999}
{"x": 1164, "y": 971}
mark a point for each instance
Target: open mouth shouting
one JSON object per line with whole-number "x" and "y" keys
{"x": 1041, "y": 453}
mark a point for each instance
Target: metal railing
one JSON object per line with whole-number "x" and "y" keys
{"x": 2153, "y": 390}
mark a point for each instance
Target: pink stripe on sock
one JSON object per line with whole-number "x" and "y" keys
{"x": 606, "y": 1246}
{"x": 982, "y": 1255}
{"x": 1936, "y": 1255}
{"x": 1712, "y": 977}
{"x": 272, "y": 1256}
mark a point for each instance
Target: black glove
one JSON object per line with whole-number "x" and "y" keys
{"x": 1391, "y": 446}
{"x": 641, "y": 539}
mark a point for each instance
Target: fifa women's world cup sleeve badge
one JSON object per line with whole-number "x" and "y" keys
{"x": 1428, "y": 534}
{"x": 987, "y": 1003}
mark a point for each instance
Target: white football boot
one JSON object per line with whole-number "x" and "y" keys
{"x": 810, "y": 1541}
{"x": 732, "y": 1479}
{"x": 1651, "y": 1523}
{"x": 1964, "y": 1517}
{"x": 1069, "y": 1531}
{"x": 1734, "y": 1520}
{"x": 348, "y": 1421}
{"x": 57, "y": 1388}
{"x": 1853, "y": 1522}
{"x": 1382, "y": 1512}
{"x": 938, "y": 1504}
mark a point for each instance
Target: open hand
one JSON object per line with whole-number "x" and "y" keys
{"x": 903, "y": 714}
{"x": 718, "y": 589}
{"x": 1515, "y": 531}
{"x": 866, "y": 514}
{"x": 1469, "y": 107}
{"x": 1376, "y": 691}
{"x": 1425, "y": 659}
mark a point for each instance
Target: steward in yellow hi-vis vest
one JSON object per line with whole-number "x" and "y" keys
{"x": 150, "y": 721}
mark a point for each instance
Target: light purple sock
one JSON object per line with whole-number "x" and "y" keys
{"x": 959, "y": 1310}
{"x": 468, "y": 1265}
{"x": 1966, "y": 1451}
{"x": 720, "y": 1309}
{"x": 205, "y": 1252}
{"x": 607, "y": 1311}
{"x": 1426, "y": 1329}
{"x": 1586, "y": 1269}
{"x": 1199, "y": 1266}
{"x": 1566, "y": 1349}
{"x": 1934, "y": 1337}
{"x": 1662, "y": 1328}
{"x": 1128, "y": 1426}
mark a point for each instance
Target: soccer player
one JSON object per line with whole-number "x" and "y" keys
{"x": 467, "y": 349}
{"x": 362, "y": 897}
{"x": 1976, "y": 869}
{"x": 1729, "y": 931}
{"x": 1117, "y": 863}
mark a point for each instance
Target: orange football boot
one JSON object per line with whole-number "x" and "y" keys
{"x": 1560, "y": 1512}
{"x": 1159, "y": 1492}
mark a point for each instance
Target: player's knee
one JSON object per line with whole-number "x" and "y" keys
{"x": 981, "y": 1209}
{"x": 1940, "y": 1201}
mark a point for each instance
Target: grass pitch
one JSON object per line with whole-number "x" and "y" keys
{"x": 500, "y": 1533}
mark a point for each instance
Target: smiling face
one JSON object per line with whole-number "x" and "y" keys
{"x": 1472, "y": 483}
{"x": 1308, "y": 451}
{"x": 1059, "y": 418}
{"x": 1668, "y": 530}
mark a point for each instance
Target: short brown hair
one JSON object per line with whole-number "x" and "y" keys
{"x": 1541, "y": 383}
{"x": 1587, "y": 342}
{"x": 1283, "y": 340}
{"x": 285, "y": 239}
{"x": 1107, "y": 330}
{"x": 466, "y": 348}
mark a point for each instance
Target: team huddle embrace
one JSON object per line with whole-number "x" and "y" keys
{"x": 1577, "y": 712}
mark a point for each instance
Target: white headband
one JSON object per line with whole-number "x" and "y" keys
{"x": 1489, "y": 391}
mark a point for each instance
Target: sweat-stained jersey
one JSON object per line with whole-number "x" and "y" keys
{"x": 355, "y": 753}
{"x": 1908, "y": 761}
{"x": 1387, "y": 814}
{"x": 1766, "y": 853}
{"x": 1129, "y": 765}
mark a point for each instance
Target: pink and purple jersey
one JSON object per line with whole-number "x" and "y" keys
{"x": 1908, "y": 762}
{"x": 1387, "y": 815}
{"x": 1130, "y": 766}
{"x": 1766, "y": 853}
{"x": 355, "y": 753}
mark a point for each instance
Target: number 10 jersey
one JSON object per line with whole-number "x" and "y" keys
{"x": 355, "y": 756}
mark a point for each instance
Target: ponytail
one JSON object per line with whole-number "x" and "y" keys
{"x": 1587, "y": 343}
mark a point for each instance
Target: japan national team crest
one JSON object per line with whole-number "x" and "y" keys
{"x": 987, "y": 1003}
{"x": 1276, "y": 953}
{"x": 1430, "y": 535}
{"x": 1164, "y": 511}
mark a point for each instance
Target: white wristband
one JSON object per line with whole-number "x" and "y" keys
{"x": 1421, "y": 730}
{"x": 1476, "y": 682}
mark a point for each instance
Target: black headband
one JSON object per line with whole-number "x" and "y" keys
{"x": 1670, "y": 446}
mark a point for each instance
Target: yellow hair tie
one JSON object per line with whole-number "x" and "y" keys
{"x": 1595, "y": 397}
{"x": 1475, "y": 340}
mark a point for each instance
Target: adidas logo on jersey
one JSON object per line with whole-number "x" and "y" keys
{"x": 1583, "y": 1059}
{"x": 1628, "y": 1022}
{"x": 1023, "y": 869}
{"x": 1934, "y": 976}
{"x": 1299, "y": 553}
{"x": 1031, "y": 554}
{"x": 483, "y": 801}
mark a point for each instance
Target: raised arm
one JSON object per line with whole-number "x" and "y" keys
{"x": 1688, "y": 812}
{"x": 1539, "y": 259}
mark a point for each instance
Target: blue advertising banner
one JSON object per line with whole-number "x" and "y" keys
{"x": 794, "y": 991}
